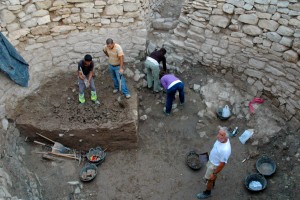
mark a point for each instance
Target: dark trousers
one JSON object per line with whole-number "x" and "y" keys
{"x": 171, "y": 95}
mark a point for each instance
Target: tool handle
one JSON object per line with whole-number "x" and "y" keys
{"x": 45, "y": 137}
{"x": 37, "y": 142}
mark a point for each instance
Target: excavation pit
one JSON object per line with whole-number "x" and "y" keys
{"x": 55, "y": 112}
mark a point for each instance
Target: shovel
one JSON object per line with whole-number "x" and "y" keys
{"x": 57, "y": 147}
{"x": 120, "y": 83}
{"x": 120, "y": 99}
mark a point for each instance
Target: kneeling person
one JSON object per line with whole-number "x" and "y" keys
{"x": 85, "y": 78}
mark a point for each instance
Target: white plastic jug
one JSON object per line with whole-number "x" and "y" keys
{"x": 246, "y": 135}
{"x": 226, "y": 111}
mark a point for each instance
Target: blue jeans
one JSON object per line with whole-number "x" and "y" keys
{"x": 82, "y": 86}
{"x": 171, "y": 95}
{"x": 115, "y": 75}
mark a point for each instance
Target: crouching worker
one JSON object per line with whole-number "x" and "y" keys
{"x": 85, "y": 78}
{"x": 171, "y": 84}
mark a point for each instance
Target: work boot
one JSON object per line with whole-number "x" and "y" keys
{"x": 93, "y": 96}
{"x": 81, "y": 98}
{"x": 204, "y": 195}
{"x": 164, "y": 110}
{"x": 115, "y": 91}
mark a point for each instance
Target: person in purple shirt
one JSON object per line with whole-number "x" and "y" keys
{"x": 152, "y": 66}
{"x": 172, "y": 84}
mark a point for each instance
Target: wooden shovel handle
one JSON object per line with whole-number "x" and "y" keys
{"x": 45, "y": 137}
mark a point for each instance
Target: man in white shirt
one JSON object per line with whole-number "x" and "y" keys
{"x": 218, "y": 157}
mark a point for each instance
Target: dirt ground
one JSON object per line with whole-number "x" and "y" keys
{"x": 157, "y": 169}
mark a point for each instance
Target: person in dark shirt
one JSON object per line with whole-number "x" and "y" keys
{"x": 152, "y": 66}
{"x": 85, "y": 78}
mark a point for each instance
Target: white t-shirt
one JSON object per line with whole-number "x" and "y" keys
{"x": 220, "y": 152}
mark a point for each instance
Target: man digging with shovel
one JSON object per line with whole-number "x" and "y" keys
{"x": 85, "y": 77}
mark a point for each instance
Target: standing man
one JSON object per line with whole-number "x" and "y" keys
{"x": 218, "y": 157}
{"x": 152, "y": 66}
{"x": 115, "y": 56}
{"x": 85, "y": 77}
{"x": 172, "y": 84}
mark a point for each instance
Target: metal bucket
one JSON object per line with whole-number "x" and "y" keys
{"x": 88, "y": 172}
{"x": 96, "y": 156}
{"x": 258, "y": 178}
{"x": 265, "y": 166}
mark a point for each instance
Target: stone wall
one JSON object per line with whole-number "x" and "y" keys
{"x": 255, "y": 41}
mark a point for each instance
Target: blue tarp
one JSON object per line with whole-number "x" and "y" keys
{"x": 12, "y": 64}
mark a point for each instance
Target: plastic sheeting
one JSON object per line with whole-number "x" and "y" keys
{"x": 12, "y": 64}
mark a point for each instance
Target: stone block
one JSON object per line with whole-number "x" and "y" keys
{"x": 248, "y": 6}
{"x": 206, "y": 48}
{"x": 43, "y": 20}
{"x": 295, "y": 6}
{"x": 248, "y": 19}
{"x": 283, "y": 10}
{"x": 247, "y": 42}
{"x": 100, "y": 3}
{"x": 254, "y": 73}
{"x": 286, "y": 41}
{"x": 43, "y": 4}
{"x": 237, "y": 3}
{"x": 40, "y": 30}
{"x": 114, "y": 10}
{"x": 29, "y": 23}
{"x": 219, "y": 21}
{"x": 15, "y": 8}
{"x": 258, "y": 40}
{"x": 238, "y": 34}
{"x": 251, "y": 30}
{"x": 7, "y": 16}
{"x": 274, "y": 71}
{"x": 30, "y": 9}
{"x": 270, "y": 25}
{"x": 261, "y": 8}
{"x": 262, "y": 1}
{"x": 276, "y": 16}
{"x": 285, "y": 31}
{"x": 219, "y": 51}
{"x": 284, "y": 22}
{"x": 84, "y": 5}
{"x": 63, "y": 29}
{"x": 256, "y": 63}
{"x": 12, "y": 27}
{"x": 228, "y": 8}
{"x": 44, "y": 38}
{"x": 79, "y": 1}
{"x": 273, "y": 36}
{"x": 263, "y": 15}
{"x": 131, "y": 7}
{"x": 195, "y": 36}
{"x": 291, "y": 56}
{"x": 40, "y": 13}
{"x": 295, "y": 22}
{"x": 296, "y": 43}
{"x": 272, "y": 9}
{"x": 278, "y": 47}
